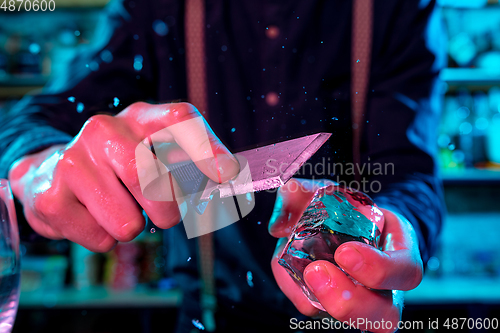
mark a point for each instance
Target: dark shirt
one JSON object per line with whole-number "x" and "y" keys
{"x": 308, "y": 66}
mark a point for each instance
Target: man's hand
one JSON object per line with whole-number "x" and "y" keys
{"x": 87, "y": 191}
{"x": 397, "y": 267}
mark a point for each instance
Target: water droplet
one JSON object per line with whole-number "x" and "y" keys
{"x": 160, "y": 28}
{"x": 250, "y": 279}
{"x": 116, "y": 101}
{"x": 94, "y": 66}
{"x": 153, "y": 230}
{"x": 197, "y": 324}
{"x": 346, "y": 294}
{"x": 137, "y": 66}
{"x": 34, "y": 48}
{"x": 106, "y": 56}
{"x": 80, "y": 107}
{"x": 71, "y": 99}
{"x": 138, "y": 59}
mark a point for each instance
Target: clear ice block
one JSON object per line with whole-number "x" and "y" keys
{"x": 336, "y": 214}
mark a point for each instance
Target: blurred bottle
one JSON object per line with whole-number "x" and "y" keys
{"x": 493, "y": 143}
{"x": 462, "y": 49}
{"x": 152, "y": 256}
{"x": 124, "y": 266}
{"x": 479, "y": 130}
{"x": 465, "y": 137}
{"x": 84, "y": 268}
{"x": 493, "y": 131}
{"x": 448, "y": 132}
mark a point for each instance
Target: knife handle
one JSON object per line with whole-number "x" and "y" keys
{"x": 191, "y": 181}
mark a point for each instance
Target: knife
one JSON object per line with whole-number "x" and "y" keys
{"x": 261, "y": 169}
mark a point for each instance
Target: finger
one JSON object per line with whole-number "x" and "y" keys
{"x": 110, "y": 204}
{"x": 85, "y": 230}
{"x": 398, "y": 267}
{"x": 291, "y": 201}
{"x": 159, "y": 195}
{"x": 39, "y": 226}
{"x": 182, "y": 123}
{"x": 345, "y": 300}
{"x": 67, "y": 218}
{"x": 288, "y": 285}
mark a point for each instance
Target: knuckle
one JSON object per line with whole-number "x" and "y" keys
{"x": 172, "y": 220}
{"x": 106, "y": 245}
{"x": 48, "y": 206}
{"x": 68, "y": 160}
{"x": 129, "y": 230}
{"x": 98, "y": 124}
{"x": 40, "y": 226}
{"x": 418, "y": 274}
{"x": 182, "y": 111}
{"x": 168, "y": 218}
{"x": 130, "y": 174}
{"x": 139, "y": 105}
{"x": 134, "y": 110}
{"x": 185, "y": 109}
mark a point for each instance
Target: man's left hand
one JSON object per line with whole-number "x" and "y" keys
{"x": 397, "y": 267}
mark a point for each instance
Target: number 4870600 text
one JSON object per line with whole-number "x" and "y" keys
{"x": 27, "y": 5}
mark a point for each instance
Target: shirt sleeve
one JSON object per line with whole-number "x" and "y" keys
{"x": 119, "y": 63}
{"x": 403, "y": 112}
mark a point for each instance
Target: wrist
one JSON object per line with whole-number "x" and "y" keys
{"x": 20, "y": 170}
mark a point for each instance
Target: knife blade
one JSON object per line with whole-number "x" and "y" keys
{"x": 261, "y": 169}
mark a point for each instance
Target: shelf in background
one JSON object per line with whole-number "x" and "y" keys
{"x": 23, "y": 80}
{"x": 467, "y": 4}
{"x": 17, "y": 85}
{"x": 99, "y": 297}
{"x": 16, "y": 92}
{"x": 455, "y": 290}
{"x": 469, "y": 77}
{"x": 470, "y": 176}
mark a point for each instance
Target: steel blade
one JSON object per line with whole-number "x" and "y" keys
{"x": 269, "y": 166}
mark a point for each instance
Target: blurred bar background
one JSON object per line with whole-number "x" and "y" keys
{"x": 66, "y": 288}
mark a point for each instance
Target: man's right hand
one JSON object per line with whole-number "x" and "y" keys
{"x": 87, "y": 191}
